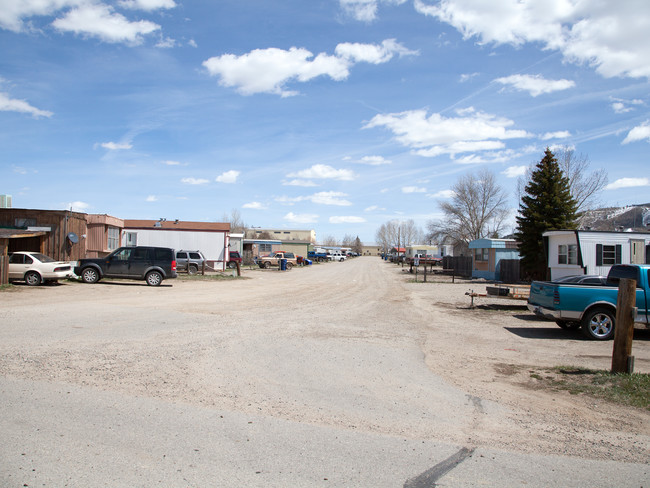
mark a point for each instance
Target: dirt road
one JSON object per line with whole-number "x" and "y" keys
{"x": 355, "y": 346}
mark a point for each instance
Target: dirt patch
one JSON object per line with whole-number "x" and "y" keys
{"x": 351, "y": 345}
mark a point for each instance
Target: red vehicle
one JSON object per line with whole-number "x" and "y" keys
{"x": 233, "y": 258}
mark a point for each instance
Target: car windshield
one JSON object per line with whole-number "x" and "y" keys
{"x": 43, "y": 258}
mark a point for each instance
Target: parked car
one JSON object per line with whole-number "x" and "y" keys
{"x": 35, "y": 268}
{"x": 233, "y": 258}
{"x": 152, "y": 264}
{"x": 274, "y": 260}
{"x": 336, "y": 256}
{"x": 189, "y": 261}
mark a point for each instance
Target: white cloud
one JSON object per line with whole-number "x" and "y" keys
{"x": 611, "y": 36}
{"x": 101, "y": 21}
{"x": 639, "y": 133}
{"x": 301, "y": 218}
{"x": 346, "y": 220}
{"x": 365, "y": 10}
{"x": 373, "y": 160}
{"x": 436, "y": 135}
{"x": 621, "y": 106}
{"x": 13, "y": 105}
{"x": 628, "y": 183}
{"x": 228, "y": 177}
{"x": 372, "y": 208}
{"x": 152, "y": 198}
{"x": 562, "y": 134}
{"x": 514, "y": 171}
{"x": 297, "y": 182}
{"x": 172, "y": 163}
{"x": 323, "y": 171}
{"x": 78, "y": 206}
{"x": 195, "y": 181}
{"x": 372, "y": 53}
{"x": 413, "y": 189}
{"x": 535, "y": 85}
{"x": 166, "y": 43}
{"x": 255, "y": 206}
{"x": 467, "y": 76}
{"x": 444, "y": 194}
{"x": 330, "y": 198}
{"x": 269, "y": 70}
{"x": 148, "y": 5}
{"x": 114, "y": 146}
{"x": 323, "y": 198}
{"x": 12, "y": 12}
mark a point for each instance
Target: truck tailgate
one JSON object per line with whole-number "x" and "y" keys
{"x": 542, "y": 293}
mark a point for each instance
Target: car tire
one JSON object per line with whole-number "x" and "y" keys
{"x": 289, "y": 266}
{"x": 599, "y": 324}
{"x": 232, "y": 264}
{"x": 267, "y": 265}
{"x": 90, "y": 275}
{"x": 154, "y": 278}
{"x": 192, "y": 269}
{"x": 32, "y": 278}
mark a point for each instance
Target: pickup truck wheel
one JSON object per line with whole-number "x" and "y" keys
{"x": 90, "y": 275}
{"x": 267, "y": 265}
{"x": 599, "y": 324}
{"x": 192, "y": 269}
{"x": 32, "y": 278}
{"x": 232, "y": 264}
{"x": 289, "y": 266}
{"x": 154, "y": 278}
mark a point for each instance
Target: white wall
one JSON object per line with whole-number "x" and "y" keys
{"x": 560, "y": 270}
{"x": 587, "y": 248}
{"x": 211, "y": 244}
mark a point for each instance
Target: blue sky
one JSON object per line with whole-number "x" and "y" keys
{"x": 333, "y": 115}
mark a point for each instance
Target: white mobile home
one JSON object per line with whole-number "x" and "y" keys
{"x": 211, "y": 238}
{"x": 576, "y": 252}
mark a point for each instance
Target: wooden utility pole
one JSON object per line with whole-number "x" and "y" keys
{"x": 622, "y": 359}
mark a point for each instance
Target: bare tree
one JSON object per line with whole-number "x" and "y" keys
{"x": 347, "y": 241}
{"x": 411, "y": 233}
{"x": 396, "y": 233}
{"x": 477, "y": 210}
{"x": 235, "y": 221}
{"x": 329, "y": 241}
{"x": 584, "y": 186}
{"x": 382, "y": 238}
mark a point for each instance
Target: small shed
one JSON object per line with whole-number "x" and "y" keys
{"x": 487, "y": 255}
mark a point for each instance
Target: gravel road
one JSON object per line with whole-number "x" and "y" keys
{"x": 340, "y": 374}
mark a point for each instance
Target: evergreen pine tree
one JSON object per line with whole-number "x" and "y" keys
{"x": 546, "y": 205}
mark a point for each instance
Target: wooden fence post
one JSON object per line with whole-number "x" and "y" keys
{"x": 622, "y": 361}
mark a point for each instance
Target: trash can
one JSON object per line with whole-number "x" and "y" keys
{"x": 283, "y": 264}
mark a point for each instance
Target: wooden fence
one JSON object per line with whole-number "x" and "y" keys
{"x": 462, "y": 265}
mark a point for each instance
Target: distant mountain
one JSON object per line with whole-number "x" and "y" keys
{"x": 632, "y": 217}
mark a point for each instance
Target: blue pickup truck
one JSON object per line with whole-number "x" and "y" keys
{"x": 591, "y": 307}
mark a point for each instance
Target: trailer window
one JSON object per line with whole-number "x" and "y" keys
{"x": 567, "y": 254}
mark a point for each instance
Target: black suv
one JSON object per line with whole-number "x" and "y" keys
{"x": 152, "y": 264}
{"x": 190, "y": 261}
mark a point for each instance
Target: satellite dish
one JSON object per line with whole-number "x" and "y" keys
{"x": 73, "y": 238}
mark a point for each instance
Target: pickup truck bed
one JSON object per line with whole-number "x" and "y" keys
{"x": 591, "y": 307}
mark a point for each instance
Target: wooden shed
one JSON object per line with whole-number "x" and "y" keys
{"x": 56, "y": 233}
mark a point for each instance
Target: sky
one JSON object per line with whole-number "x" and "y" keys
{"x": 332, "y": 115}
